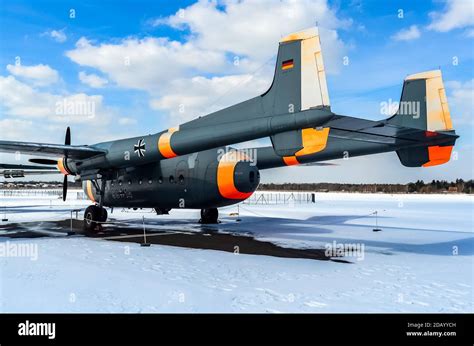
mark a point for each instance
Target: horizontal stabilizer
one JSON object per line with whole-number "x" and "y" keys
{"x": 287, "y": 143}
{"x": 293, "y": 144}
{"x": 425, "y": 156}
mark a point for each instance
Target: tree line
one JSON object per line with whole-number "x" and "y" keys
{"x": 435, "y": 186}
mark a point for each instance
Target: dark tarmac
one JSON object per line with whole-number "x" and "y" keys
{"x": 200, "y": 237}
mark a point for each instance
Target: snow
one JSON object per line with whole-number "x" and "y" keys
{"x": 421, "y": 261}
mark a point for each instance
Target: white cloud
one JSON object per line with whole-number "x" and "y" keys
{"x": 127, "y": 121}
{"x": 189, "y": 98}
{"x": 21, "y": 100}
{"x": 461, "y": 102}
{"x": 194, "y": 72}
{"x": 12, "y": 129}
{"x": 57, "y": 35}
{"x": 92, "y": 80}
{"x": 412, "y": 33}
{"x": 147, "y": 63}
{"x": 456, "y": 14}
{"x": 252, "y": 28}
{"x": 39, "y": 75}
{"x": 32, "y": 115}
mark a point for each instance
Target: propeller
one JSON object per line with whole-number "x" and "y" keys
{"x": 44, "y": 161}
{"x": 67, "y": 141}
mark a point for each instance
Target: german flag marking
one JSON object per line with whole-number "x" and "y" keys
{"x": 287, "y": 64}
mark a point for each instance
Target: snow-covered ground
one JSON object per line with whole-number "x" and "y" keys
{"x": 421, "y": 261}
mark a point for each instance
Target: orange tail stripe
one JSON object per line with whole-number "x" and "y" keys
{"x": 290, "y": 160}
{"x": 438, "y": 155}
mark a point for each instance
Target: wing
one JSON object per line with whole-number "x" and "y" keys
{"x": 72, "y": 151}
{"x": 19, "y": 171}
{"x": 23, "y": 167}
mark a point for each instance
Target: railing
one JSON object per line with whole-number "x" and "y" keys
{"x": 281, "y": 198}
{"x": 259, "y": 197}
{"x": 73, "y": 194}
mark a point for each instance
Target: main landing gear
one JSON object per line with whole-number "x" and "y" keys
{"x": 95, "y": 215}
{"x": 209, "y": 216}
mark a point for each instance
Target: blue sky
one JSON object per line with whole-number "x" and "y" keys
{"x": 181, "y": 63}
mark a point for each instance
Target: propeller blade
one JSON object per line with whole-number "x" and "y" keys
{"x": 44, "y": 161}
{"x": 65, "y": 188}
{"x": 67, "y": 140}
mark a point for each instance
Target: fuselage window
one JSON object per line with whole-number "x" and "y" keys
{"x": 181, "y": 179}
{"x": 140, "y": 182}
{"x": 150, "y": 181}
{"x": 171, "y": 179}
{"x": 160, "y": 180}
{"x": 129, "y": 182}
{"x": 120, "y": 182}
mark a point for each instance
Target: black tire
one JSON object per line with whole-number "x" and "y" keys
{"x": 103, "y": 216}
{"x": 209, "y": 216}
{"x": 93, "y": 216}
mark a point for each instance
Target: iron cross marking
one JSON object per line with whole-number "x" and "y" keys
{"x": 139, "y": 148}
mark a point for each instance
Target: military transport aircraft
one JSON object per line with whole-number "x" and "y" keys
{"x": 191, "y": 165}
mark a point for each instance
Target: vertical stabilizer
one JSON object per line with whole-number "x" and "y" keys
{"x": 423, "y": 104}
{"x": 300, "y": 77}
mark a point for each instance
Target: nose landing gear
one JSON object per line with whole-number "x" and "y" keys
{"x": 95, "y": 215}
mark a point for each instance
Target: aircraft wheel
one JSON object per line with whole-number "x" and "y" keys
{"x": 209, "y": 215}
{"x": 93, "y": 216}
{"x": 103, "y": 215}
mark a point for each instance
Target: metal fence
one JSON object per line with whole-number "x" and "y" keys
{"x": 281, "y": 198}
{"x": 259, "y": 197}
{"x": 55, "y": 193}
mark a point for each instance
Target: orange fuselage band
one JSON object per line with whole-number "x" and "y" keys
{"x": 164, "y": 143}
